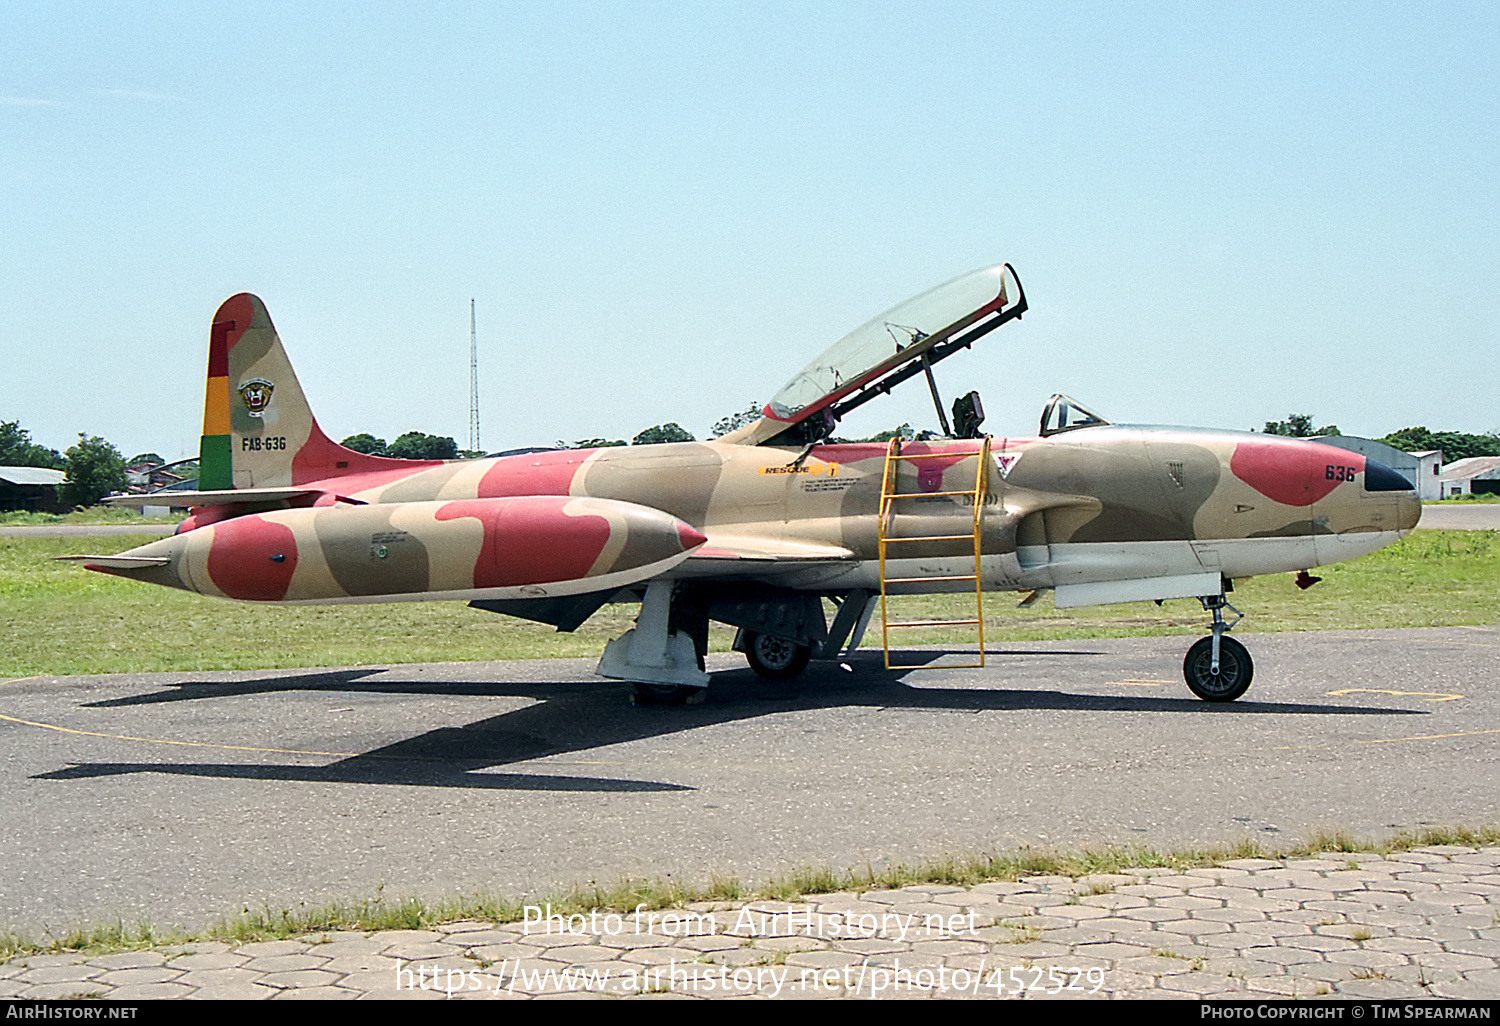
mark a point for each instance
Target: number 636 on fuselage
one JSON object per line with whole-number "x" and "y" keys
{"x": 758, "y": 528}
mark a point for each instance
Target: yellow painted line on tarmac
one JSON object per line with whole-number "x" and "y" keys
{"x": 17, "y": 680}
{"x": 272, "y": 751}
{"x": 161, "y": 741}
{"x": 1429, "y": 737}
{"x": 1434, "y": 696}
{"x": 1388, "y": 740}
{"x": 1142, "y": 683}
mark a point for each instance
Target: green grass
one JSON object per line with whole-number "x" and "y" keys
{"x": 92, "y": 515}
{"x": 410, "y": 913}
{"x": 1429, "y": 579}
{"x": 61, "y": 619}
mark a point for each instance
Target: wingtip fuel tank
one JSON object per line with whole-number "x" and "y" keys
{"x": 532, "y": 546}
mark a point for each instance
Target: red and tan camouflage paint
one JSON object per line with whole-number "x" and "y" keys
{"x": 526, "y": 547}
{"x": 1097, "y": 503}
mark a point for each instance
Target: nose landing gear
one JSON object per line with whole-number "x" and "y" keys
{"x": 1218, "y": 668}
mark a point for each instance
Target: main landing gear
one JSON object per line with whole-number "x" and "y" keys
{"x": 662, "y": 655}
{"x": 775, "y": 658}
{"x": 780, "y": 631}
{"x": 1218, "y": 668}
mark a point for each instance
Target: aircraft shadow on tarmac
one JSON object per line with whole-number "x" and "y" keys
{"x": 585, "y": 714}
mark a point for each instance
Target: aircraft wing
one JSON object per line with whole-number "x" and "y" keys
{"x": 728, "y": 552}
{"x": 733, "y": 549}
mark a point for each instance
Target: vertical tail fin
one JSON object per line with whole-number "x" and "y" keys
{"x": 258, "y": 430}
{"x": 255, "y": 417}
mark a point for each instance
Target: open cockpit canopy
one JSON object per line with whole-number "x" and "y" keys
{"x": 903, "y": 341}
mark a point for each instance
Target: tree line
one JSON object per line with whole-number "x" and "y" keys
{"x": 1455, "y": 445}
{"x": 93, "y": 466}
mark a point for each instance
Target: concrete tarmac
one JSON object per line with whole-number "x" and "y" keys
{"x": 1480, "y": 516}
{"x": 180, "y": 798}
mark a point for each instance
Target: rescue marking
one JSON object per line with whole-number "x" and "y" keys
{"x": 1434, "y": 696}
{"x": 830, "y": 469}
{"x": 829, "y": 484}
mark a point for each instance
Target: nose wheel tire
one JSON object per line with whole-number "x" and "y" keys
{"x": 1234, "y": 673}
{"x": 776, "y": 658}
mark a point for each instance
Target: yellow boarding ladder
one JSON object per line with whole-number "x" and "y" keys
{"x": 889, "y": 496}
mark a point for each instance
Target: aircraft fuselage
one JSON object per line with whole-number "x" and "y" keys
{"x": 1083, "y": 510}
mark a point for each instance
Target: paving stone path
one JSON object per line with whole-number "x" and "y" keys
{"x": 1416, "y": 924}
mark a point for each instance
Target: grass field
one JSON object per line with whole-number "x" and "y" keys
{"x": 56, "y": 618}
{"x": 94, "y": 515}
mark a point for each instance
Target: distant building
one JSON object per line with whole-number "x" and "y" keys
{"x": 1477, "y": 475}
{"x": 1429, "y": 469}
{"x": 31, "y": 488}
{"x": 1420, "y": 468}
{"x": 152, "y": 477}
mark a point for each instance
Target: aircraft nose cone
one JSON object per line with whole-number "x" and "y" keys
{"x": 1409, "y": 513}
{"x": 1382, "y": 480}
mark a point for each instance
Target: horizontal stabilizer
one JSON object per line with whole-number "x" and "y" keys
{"x": 220, "y": 497}
{"x": 116, "y": 562}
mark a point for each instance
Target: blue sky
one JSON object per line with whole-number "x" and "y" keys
{"x": 1222, "y": 213}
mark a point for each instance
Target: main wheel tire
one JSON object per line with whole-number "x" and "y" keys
{"x": 668, "y": 694}
{"x": 1235, "y": 669}
{"x": 776, "y": 658}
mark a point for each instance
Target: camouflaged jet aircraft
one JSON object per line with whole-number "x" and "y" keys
{"x": 759, "y": 528}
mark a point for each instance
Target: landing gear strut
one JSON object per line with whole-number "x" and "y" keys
{"x": 665, "y": 665}
{"x": 1218, "y": 668}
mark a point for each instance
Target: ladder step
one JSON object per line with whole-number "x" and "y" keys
{"x": 932, "y": 537}
{"x": 927, "y": 495}
{"x": 936, "y": 455}
{"x": 889, "y": 493}
{"x": 935, "y": 666}
{"x": 931, "y": 623}
{"x": 917, "y": 580}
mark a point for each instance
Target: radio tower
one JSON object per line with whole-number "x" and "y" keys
{"x": 474, "y": 446}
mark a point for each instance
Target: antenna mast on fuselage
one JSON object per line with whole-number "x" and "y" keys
{"x": 474, "y": 446}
